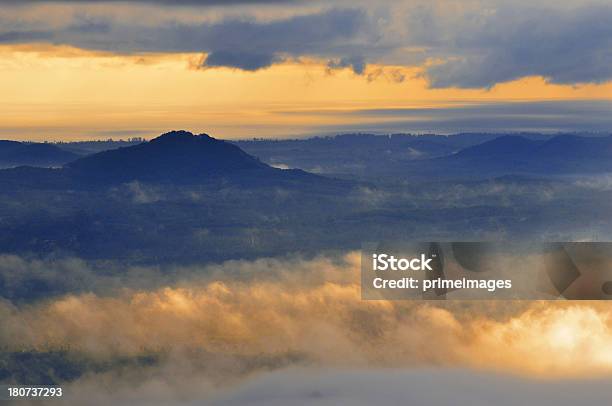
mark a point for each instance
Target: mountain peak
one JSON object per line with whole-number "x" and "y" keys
{"x": 176, "y": 156}
{"x": 182, "y": 136}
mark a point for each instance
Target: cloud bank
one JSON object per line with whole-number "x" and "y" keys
{"x": 565, "y": 47}
{"x": 356, "y": 387}
{"x": 313, "y": 308}
{"x": 423, "y": 388}
{"x": 494, "y": 117}
{"x": 455, "y": 44}
{"x": 295, "y": 331}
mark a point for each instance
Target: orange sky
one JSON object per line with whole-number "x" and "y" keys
{"x": 94, "y": 69}
{"x": 60, "y": 92}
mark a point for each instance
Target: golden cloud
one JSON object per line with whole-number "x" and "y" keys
{"x": 313, "y": 307}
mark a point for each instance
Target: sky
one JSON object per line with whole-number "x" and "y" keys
{"x": 78, "y": 70}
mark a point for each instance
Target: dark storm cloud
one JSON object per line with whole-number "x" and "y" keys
{"x": 241, "y": 60}
{"x": 157, "y": 2}
{"x": 473, "y": 47}
{"x": 565, "y": 47}
{"x": 250, "y": 46}
{"x": 24, "y": 36}
{"x": 237, "y": 43}
{"x": 356, "y": 63}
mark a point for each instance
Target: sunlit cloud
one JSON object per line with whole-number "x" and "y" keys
{"x": 313, "y": 307}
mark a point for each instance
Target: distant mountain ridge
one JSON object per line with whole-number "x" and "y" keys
{"x": 180, "y": 157}
{"x": 13, "y": 153}
{"x": 184, "y": 197}
{"x": 561, "y": 154}
{"x": 361, "y": 154}
{"x": 405, "y": 156}
{"x": 504, "y": 145}
{"x": 176, "y": 157}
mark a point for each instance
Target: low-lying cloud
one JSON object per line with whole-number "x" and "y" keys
{"x": 295, "y": 330}
{"x": 355, "y": 387}
{"x": 313, "y": 308}
{"x": 427, "y": 387}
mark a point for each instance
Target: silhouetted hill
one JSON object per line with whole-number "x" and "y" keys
{"x": 364, "y": 155}
{"x": 177, "y": 157}
{"x": 502, "y": 146}
{"x": 6, "y": 145}
{"x": 562, "y": 154}
{"x": 352, "y": 154}
{"x": 192, "y": 198}
{"x": 14, "y": 154}
{"x": 83, "y": 148}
